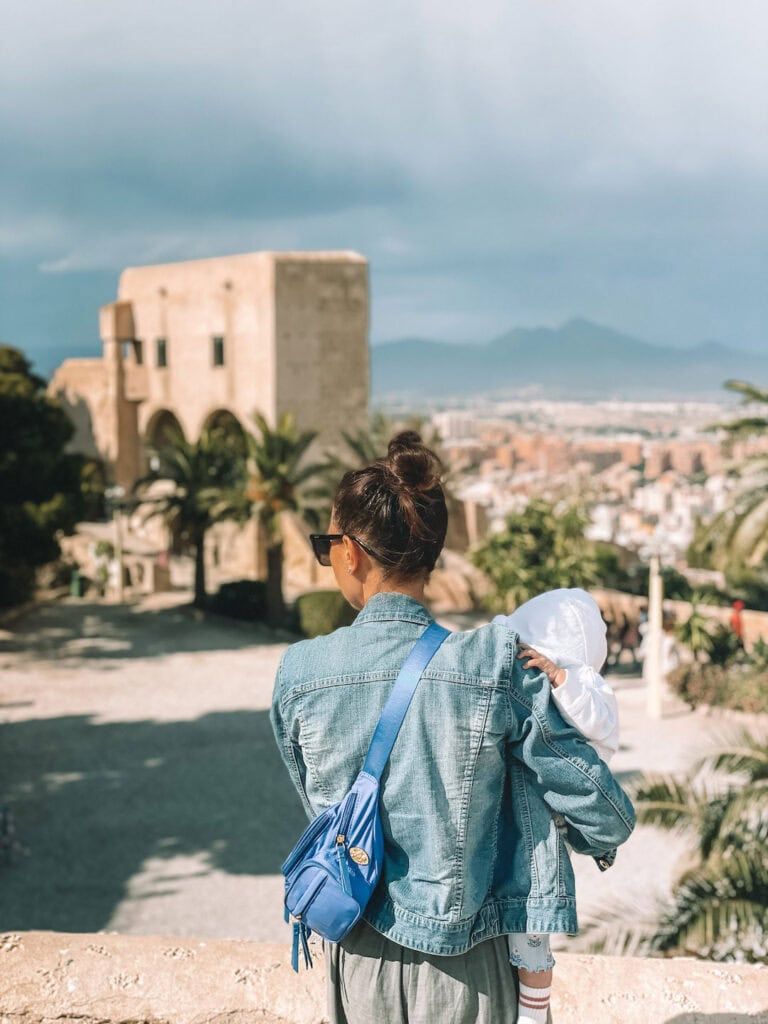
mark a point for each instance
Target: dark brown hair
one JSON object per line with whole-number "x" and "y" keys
{"x": 396, "y": 506}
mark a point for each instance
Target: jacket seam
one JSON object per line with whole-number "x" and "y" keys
{"x": 374, "y": 617}
{"x": 535, "y": 880}
{"x": 562, "y": 853}
{"x": 437, "y": 675}
{"x": 311, "y": 767}
{"x": 495, "y": 831}
{"x": 572, "y": 760}
{"x": 466, "y": 794}
{"x": 509, "y": 902}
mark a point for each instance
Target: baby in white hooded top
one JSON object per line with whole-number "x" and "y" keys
{"x": 563, "y": 634}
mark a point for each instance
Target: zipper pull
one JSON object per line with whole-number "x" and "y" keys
{"x": 305, "y": 933}
{"x": 301, "y": 935}
{"x": 295, "y": 947}
{"x": 341, "y": 854}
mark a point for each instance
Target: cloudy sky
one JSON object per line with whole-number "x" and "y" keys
{"x": 500, "y": 162}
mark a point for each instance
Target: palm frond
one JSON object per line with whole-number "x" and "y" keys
{"x": 744, "y": 753}
{"x": 622, "y": 928}
{"x": 745, "y": 822}
{"x": 728, "y": 896}
{"x": 666, "y": 802}
{"x": 749, "y": 392}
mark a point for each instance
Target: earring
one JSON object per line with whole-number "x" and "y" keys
{"x": 349, "y": 570}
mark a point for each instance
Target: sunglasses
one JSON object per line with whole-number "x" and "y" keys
{"x": 321, "y": 545}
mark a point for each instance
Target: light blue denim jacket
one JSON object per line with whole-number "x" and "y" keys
{"x": 482, "y": 760}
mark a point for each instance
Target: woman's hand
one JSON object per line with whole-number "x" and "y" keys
{"x": 554, "y": 673}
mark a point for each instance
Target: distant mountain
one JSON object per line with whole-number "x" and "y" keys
{"x": 579, "y": 360}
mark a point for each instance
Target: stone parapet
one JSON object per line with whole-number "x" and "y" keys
{"x": 47, "y": 976}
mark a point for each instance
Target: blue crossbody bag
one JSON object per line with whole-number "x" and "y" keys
{"x": 332, "y": 871}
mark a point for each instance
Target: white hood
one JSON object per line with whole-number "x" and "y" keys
{"x": 564, "y": 625}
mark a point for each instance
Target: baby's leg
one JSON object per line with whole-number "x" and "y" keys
{"x": 531, "y": 955}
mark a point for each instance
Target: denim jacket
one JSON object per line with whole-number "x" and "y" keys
{"x": 482, "y": 761}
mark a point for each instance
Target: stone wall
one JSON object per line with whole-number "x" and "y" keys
{"x": 46, "y": 977}
{"x": 321, "y": 342}
{"x": 80, "y": 385}
{"x": 615, "y": 602}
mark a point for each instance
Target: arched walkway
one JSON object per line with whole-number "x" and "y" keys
{"x": 225, "y": 424}
{"x": 162, "y": 429}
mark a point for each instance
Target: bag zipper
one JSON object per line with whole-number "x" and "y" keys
{"x": 344, "y": 823}
{"x": 309, "y": 836}
{"x": 341, "y": 854}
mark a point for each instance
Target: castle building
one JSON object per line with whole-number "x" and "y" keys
{"x": 193, "y": 344}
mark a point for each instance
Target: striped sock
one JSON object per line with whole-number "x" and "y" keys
{"x": 533, "y": 1004}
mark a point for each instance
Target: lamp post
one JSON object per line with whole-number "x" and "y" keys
{"x": 114, "y": 496}
{"x": 652, "y": 667}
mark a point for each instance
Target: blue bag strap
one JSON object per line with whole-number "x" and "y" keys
{"x": 399, "y": 700}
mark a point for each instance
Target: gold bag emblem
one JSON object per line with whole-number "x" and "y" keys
{"x": 358, "y": 856}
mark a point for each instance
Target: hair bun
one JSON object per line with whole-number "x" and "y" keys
{"x": 412, "y": 463}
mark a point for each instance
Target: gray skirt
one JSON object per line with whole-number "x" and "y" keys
{"x": 372, "y": 980}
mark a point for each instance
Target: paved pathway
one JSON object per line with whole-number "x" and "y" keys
{"x": 138, "y": 759}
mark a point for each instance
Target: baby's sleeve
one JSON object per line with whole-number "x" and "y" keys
{"x": 588, "y": 703}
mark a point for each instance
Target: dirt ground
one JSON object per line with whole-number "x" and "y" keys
{"x": 138, "y": 761}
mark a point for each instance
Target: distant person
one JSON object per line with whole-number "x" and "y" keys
{"x": 563, "y": 634}
{"x": 630, "y": 641}
{"x": 670, "y": 655}
{"x": 737, "y": 623}
{"x": 483, "y": 761}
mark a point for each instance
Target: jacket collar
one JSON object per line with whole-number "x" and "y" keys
{"x": 391, "y": 605}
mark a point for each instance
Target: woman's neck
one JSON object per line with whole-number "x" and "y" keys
{"x": 411, "y": 588}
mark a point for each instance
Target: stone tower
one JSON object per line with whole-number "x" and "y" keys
{"x": 215, "y": 340}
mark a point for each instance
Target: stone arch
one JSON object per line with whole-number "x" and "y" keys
{"x": 224, "y": 422}
{"x": 161, "y": 427}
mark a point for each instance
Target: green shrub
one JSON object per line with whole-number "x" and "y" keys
{"x": 739, "y": 686}
{"x": 725, "y": 646}
{"x": 242, "y": 599}
{"x": 17, "y": 584}
{"x": 321, "y": 611}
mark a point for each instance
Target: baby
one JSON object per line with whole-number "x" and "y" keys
{"x": 563, "y": 635}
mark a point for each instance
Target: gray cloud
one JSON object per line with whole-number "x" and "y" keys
{"x": 499, "y": 163}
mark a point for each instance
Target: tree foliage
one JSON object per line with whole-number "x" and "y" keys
{"x": 718, "y": 908}
{"x": 205, "y": 482}
{"x": 541, "y": 548}
{"x": 365, "y": 446}
{"x": 281, "y": 480}
{"x": 39, "y": 481}
{"x": 233, "y": 475}
{"x": 736, "y": 541}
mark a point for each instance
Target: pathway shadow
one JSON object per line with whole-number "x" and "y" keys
{"x": 84, "y": 631}
{"x": 93, "y": 801}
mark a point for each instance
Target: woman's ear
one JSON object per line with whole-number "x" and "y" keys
{"x": 352, "y": 555}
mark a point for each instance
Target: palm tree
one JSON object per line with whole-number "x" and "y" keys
{"x": 280, "y": 481}
{"x": 365, "y": 446}
{"x": 695, "y": 632}
{"x": 738, "y": 537}
{"x": 719, "y": 905}
{"x": 206, "y": 486}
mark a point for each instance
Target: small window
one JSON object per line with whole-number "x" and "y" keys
{"x": 218, "y": 351}
{"x": 138, "y": 351}
{"x": 162, "y": 352}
